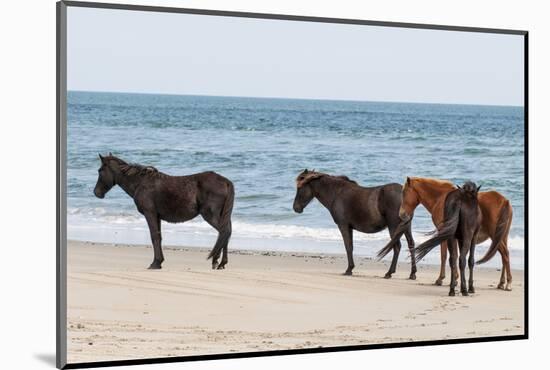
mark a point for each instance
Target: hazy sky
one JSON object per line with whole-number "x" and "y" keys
{"x": 117, "y": 50}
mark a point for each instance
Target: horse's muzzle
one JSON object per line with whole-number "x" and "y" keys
{"x": 298, "y": 209}
{"x": 99, "y": 194}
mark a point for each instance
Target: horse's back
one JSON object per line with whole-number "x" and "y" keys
{"x": 382, "y": 197}
{"x": 208, "y": 181}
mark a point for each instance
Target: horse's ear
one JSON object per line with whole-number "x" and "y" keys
{"x": 110, "y": 154}
{"x": 479, "y": 187}
{"x": 458, "y": 186}
{"x": 101, "y": 157}
{"x": 408, "y": 180}
{"x": 305, "y": 171}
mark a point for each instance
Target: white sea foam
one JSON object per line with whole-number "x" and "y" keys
{"x": 99, "y": 217}
{"x": 99, "y": 226}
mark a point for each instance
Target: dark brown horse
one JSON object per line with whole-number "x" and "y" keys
{"x": 496, "y": 220}
{"x": 353, "y": 207}
{"x": 173, "y": 199}
{"x": 461, "y": 222}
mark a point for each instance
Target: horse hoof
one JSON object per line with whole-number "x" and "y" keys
{"x": 452, "y": 293}
{"x": 471, "y": 290}
{"x": 214, "y": 265}
{"x": 439, "y": 282}
{"x": 347, "y": 273}
{"x": 508, "y": 287}
{"x": 412, "y": 277}
{"x": 387, "y": 276}
{"x": 154, "y": 266}
{"x": 221, "y": 267}
{"x": 464, "y": 293}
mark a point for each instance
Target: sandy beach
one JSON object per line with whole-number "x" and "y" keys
{"x": 117, "y": 309}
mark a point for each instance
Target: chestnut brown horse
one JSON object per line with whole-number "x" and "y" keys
{"x": 496, "y": 213}
{"x": 353, "y": 207}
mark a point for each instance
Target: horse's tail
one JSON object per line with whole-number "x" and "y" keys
{"x": 401, "y": 229}
{"x": 225, "y": 220}
{"x": 446, "y": 231}
{"x": 428, "y": 233}
{"x": 504, "y": 222}
{"x": 228, "y": 205}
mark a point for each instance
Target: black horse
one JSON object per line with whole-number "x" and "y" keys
{"x": 353, "y": 207}
{"x": 462, "y": 221}
{"x": 159, "y": 196}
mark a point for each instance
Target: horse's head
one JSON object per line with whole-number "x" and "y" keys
{"x": 105, "y": 179}
{"x": 469, "y": 189}
{"x": 409, "y": 202}
{"x": 304, "y": 192}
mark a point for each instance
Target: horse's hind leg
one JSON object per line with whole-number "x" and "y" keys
{"x": 226, "y": 234}
{"x": 471, "y": 264}
{"x": 220, "y": 247}
{"x": 464, "y": 249}
{"x": 502, "y": 281}
{"x": 452, "y": 264}
{"x": 224, "y": 258}
{"x": 410, "y": 242}
{"x": 506, "y": 270}
{"x": 153, "y": 221}
{"x": 393, "y": 266}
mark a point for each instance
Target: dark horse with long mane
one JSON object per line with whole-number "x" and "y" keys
{"x": 461, "y": 222}
{"x": 496, "y": 220}
{"x": 159, "y": 196}
{"x": 353, "y": 207}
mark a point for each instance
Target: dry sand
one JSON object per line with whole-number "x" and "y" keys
{"x": 117, "y": 309}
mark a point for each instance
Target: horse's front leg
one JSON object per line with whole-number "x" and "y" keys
{"x": 347, "y": 235}
{"x": 506, "y": 271}
{"x": 410, "y": 242}
{"x": 396, "y": 250}
{"x": 502, "y": 282}
{"x": 471, "y": 264}
{"x": 153, "y": 221}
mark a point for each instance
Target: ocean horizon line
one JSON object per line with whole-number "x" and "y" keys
{"x": 295, "y": 98}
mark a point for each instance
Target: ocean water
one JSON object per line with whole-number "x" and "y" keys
{"x": 262, "y": 144}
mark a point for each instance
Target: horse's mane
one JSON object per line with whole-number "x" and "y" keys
{"x": 132, "y": 169}
{"x": 306, "y": 176}
{"x": 342, "y": 177}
